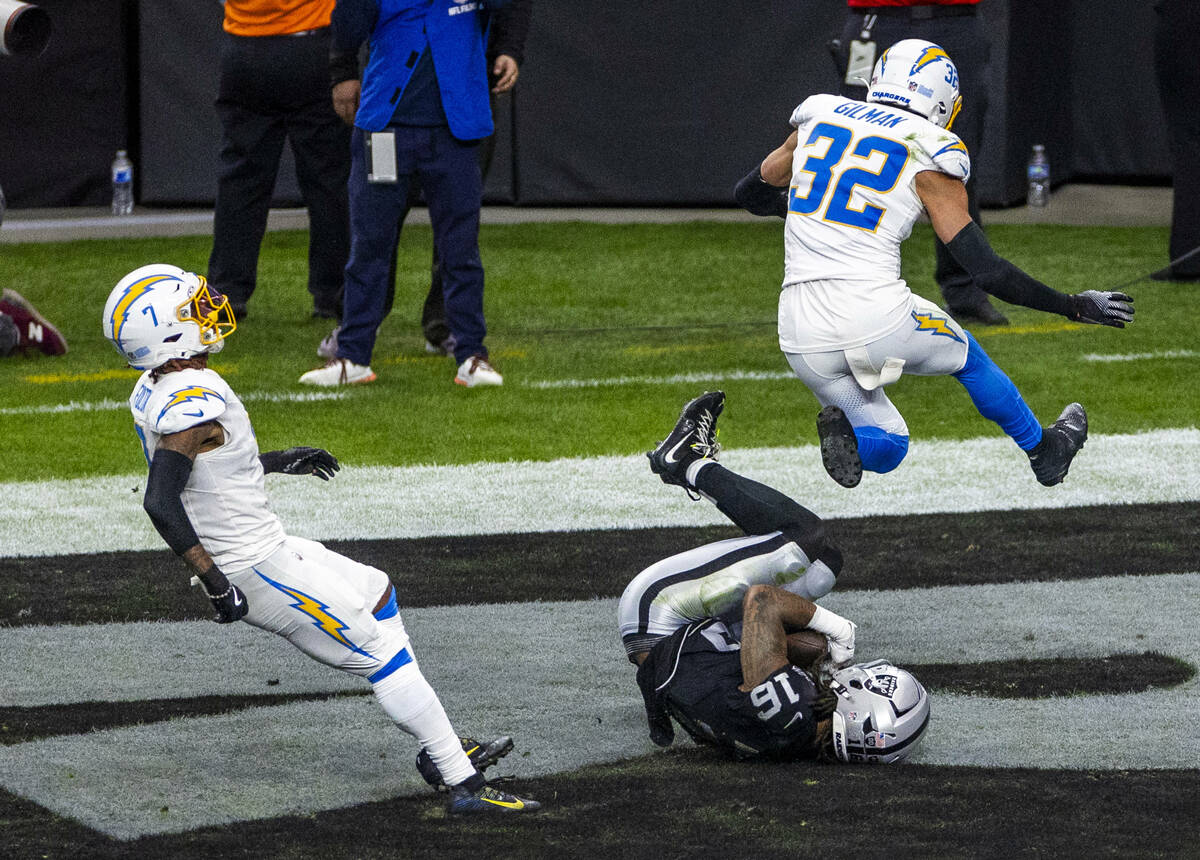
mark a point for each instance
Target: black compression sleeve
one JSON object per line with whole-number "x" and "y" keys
{"x": 996, "y": 275}
{"x": 169, "y": 472}
{"x": 759, "y": 197}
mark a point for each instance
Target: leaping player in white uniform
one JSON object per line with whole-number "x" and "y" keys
{"x": 859, "y": 174}
{"x": 207, "y": 498}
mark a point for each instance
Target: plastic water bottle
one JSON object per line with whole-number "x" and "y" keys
{"x": 122, "y": 184}
{"x": 1038, "y": 174}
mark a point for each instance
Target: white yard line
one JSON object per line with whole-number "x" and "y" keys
{"x": 1143, "y": 356}
{"x": 109, "y": 405}
{"x": 691, "y": 378}
{"x": 105, "y": 513}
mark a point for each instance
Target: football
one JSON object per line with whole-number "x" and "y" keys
{"x": 806, "y": 647}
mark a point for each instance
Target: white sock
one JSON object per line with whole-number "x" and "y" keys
{"x": 693, "y": 469}
{"x": 412, "y": 704}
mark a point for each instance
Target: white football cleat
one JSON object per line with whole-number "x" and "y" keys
{"x": 338, "y": 371}
{"x": 476, "y": 371}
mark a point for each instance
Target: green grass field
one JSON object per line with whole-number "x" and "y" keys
{"x": 579, "y": 301}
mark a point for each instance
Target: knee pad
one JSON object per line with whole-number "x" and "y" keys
{"x": 879, "y": 450}
{"x": 818, "y": 580}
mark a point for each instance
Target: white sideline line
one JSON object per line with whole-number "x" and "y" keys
{"x": 105, "y": 514}
{"x": 714, "y": 376}
{"x": 1142, "y": 356}
{"x": 107, "y": 405}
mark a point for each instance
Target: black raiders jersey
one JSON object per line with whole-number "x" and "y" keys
{"x": 694, "y": 675}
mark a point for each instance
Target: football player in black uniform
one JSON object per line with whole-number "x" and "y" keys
{"x": 719, "y": 647}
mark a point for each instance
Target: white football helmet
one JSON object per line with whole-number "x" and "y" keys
{"x": 160, "y": 312}
{"x": 919, "y": 76}
{"x": 882, "y": 712}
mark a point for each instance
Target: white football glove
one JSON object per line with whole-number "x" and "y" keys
{"x": 838, "y": 632}
{"x": 841, "y": 647}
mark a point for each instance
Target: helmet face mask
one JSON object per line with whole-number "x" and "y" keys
{"x": 160, "y": 312}
{"x": 918, "y": 76}
{"x": 881, "y": 714}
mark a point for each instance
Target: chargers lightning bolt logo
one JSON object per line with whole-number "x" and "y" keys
{"x": 935, "y": 325}
{"x": 132, "y": 293}
{"x": 183, "y": 395}
{"x": 323, "y": 619}
{"x": 928, "y": 55}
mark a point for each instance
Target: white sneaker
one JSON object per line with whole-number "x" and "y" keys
{"x": 338, "y": 371}
{"x": 328, "y": 347}
{"x": 476, "y": 371}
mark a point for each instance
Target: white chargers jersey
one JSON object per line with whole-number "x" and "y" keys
{"x": 853, "y": 200}
{"x": 225, "y": 497}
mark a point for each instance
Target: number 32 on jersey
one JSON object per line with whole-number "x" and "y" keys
{"x": 836, "y": 181}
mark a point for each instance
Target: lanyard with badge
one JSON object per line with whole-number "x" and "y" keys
{"x": 861, "y": 60}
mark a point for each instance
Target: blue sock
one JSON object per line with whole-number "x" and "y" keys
{"x": 996, "y": 398}
{"x": 880, "y": 451}
{"x": 389, "y": 610}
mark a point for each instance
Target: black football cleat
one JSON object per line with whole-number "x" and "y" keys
{"x": 486, "y": 800}
{"x": 694, "y": 438}
{"x": 481, "y": 755}
{"x": 1051, "y": 458}
{"x": 839, "y": 446}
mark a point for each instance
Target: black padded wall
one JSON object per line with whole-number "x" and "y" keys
{"x": 621, "y": 102}
{"x": 63, "y": 115}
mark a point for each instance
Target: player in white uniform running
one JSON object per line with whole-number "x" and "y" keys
{"x": 207, "y": 498}
{"x": 858, "y": 174}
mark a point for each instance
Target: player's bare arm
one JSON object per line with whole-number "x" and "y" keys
{"x": 769, "y": 614}
{"x": 758, "y": 192}
{"x": 776, "y": 168}
{"x": 169, "y": 472}
{"x": 945, "y": 199}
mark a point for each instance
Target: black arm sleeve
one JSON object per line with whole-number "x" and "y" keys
{"x": 343, "y": 66}
{"x": 996, "y": 275}
{"x": 510, "y": 27}
{"x": 169, "y": 472}
{"x": 758, "y": 197}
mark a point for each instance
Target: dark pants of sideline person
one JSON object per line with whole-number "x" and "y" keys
{"x": 963, "y": 37}
{"x": 433, "y": 312}
{"x": 1178, "y": 70}
{"x": 448, "y": 171}
{"x": 272, "y": 88}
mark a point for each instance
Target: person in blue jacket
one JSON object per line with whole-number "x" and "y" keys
{"x": 423, "y": 107}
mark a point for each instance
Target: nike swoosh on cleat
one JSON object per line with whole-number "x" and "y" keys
{"x": 667, "y": 458}
{"x": 237, "y": 601}
{"x": 507, "y": 804}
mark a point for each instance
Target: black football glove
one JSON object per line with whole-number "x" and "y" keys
{"x": 301, "y": 461}
{"x": 231, "y": 605}
{"x": 1094, "y": 306}
{"x": 226, "y": 598}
